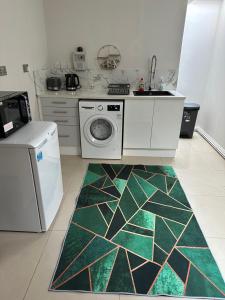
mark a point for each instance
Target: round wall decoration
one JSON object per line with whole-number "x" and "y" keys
{"x": 108, "y": 57}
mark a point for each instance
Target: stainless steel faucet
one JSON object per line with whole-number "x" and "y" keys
{"x": 152, "y": 71}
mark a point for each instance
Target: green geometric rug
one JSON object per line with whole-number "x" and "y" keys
{"x": 133, "y": 232}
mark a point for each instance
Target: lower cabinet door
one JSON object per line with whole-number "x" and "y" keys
{"x": 69, "y": 135}
{"x": 138, "y": 116}
{"x": 166, "y": 123}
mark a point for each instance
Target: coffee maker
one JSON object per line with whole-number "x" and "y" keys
{"x": 72, "y": 82}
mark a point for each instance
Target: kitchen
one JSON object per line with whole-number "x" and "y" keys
{"x": 94, "y": 79}
{"x": 48, "y": 34}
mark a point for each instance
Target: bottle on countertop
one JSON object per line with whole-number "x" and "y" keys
{"x": 141, "y": 86}
{"x": 162, "y": 84}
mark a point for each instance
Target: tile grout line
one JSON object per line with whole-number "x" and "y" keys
{"x": 35, "y": 269}
{"x": 215, "y": 237}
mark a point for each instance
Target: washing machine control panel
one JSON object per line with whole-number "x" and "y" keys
{"x": 113, "y": 107}
{"x": 100, "y": 107}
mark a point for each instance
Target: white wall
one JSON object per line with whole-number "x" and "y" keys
{"x": 213, "y": 108}
{"x": 23, "y": 40}
{"x": 197, "y": 48}
{"x": 139, "y": 28}
{"x": 202, "y": 72}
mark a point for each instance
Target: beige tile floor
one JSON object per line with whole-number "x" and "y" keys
{"x": 27, "y": 260}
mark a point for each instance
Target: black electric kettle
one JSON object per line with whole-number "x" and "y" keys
{"x": 72, "y": 82}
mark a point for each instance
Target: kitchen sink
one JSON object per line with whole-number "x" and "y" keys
{"x": 152, "y": 93}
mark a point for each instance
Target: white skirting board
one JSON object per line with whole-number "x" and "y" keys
{"x": 126, "y": 152}
{"x": 211, "y": 141}
{"x": 149, "y": 153}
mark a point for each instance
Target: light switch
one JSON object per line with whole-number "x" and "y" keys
{"x": 25, "y": 68}
{"x": 3, "y": 71}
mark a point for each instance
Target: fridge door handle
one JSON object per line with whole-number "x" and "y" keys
{"x": 53, "y": 132}
{"x": 42, "y": 143}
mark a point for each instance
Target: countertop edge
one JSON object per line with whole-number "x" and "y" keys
{"x": 92, "y": 94}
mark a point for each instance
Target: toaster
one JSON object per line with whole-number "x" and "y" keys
{"x": 53, "y": 83}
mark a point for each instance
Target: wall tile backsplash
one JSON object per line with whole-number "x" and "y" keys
{"x": 99, "y": 79}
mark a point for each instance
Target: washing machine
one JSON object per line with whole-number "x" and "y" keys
{"x": 101, "y": 128}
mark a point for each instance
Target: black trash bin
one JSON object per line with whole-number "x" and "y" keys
{"x": 189, "y": 119}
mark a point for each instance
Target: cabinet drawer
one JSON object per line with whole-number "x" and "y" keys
{"x": 62, "y": 120}
{"x": 69, "y": 135}
{"x": 63, "y": 111}
{"x": 59, "y": 102}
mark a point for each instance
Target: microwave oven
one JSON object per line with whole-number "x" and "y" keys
{"x": 14, "y": 112}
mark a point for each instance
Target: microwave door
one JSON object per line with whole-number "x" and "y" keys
{"x": 14, "y": 113}
{"x": 11, "y": 116}
{"x": 24, "y": 109}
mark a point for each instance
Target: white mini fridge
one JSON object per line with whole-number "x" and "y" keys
{"x": 31, "y": 188}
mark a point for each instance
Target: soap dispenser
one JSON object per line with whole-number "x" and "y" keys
{"x": 161, "y": 84}
{"x": 141, "y": 86}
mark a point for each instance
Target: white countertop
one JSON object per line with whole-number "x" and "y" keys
{"x": 102, "y": 94}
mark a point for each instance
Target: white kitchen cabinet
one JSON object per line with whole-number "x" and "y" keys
{"x": 167, "y": 119}
{"x": 138, "y": 116}
{"x": 65, "y": 113}
{"x": 69, "y": 136}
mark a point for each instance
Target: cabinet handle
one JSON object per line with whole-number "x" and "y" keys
{"x": 61, "y": 121}
{"x": 64, "y": 136}
{"x": 58, "y": 102}
{"x": 60, "y": 112}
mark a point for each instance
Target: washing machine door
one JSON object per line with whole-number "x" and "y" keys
{"x": 100, "y": 130}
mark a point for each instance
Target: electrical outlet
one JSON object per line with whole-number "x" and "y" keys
{"x": 3, "y": 71}
{"x": 97, "y": 77}
{"x": 25, "y": 68}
